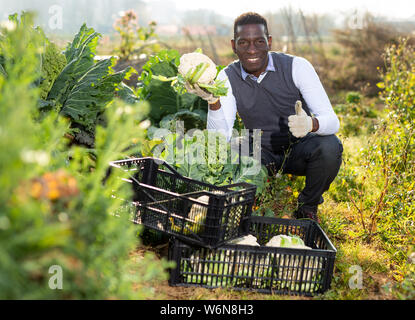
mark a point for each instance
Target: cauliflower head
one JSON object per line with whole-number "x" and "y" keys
{"x": 287, "y": 242}
{"x": 249, "y": 240}
{"x": 190, "y": 61}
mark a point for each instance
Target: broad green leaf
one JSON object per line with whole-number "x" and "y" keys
{"x": 92, "y": 92}
{"x": 163, "y": 98}
{"x": 86, "y": 40}
{"x": 191, "y": 120}
{"x": 80, "y": 58}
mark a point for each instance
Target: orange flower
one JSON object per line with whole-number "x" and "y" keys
{"x": 53, "y": 185}
{"x": 48, "y": 176}
{"x": 61, "y": 176}
{"x": 53, "y": 194}
{"x": 36, "y": 190}
{"x": 72, "y": 183}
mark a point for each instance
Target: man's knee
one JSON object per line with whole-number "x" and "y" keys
{"x": 330, "y": 148}
{"x": 324, "y": 151}
{"x": 315, "y": 153}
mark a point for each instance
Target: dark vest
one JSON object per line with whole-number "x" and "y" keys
{"x": 267, "y": 105}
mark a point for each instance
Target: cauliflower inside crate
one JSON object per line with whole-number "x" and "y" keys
{"x": 252, "y": 268}
{"x": 195, "y": 221}
{"x": 293, "y": 269}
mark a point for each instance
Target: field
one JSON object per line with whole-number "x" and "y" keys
{"x": 80, "y": 109}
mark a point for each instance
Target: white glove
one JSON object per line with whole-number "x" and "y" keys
{"x": 195, "y": 89}
{"x": 300, "y": 124}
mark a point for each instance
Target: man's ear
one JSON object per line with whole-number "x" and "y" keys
{"x": 269, "y": 42}
{"x": 233, "y": 45}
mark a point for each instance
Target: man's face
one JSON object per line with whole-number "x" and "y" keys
{"x": 251, "y": 45}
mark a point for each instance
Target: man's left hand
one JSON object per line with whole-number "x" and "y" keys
{"x": 300, "y": 124}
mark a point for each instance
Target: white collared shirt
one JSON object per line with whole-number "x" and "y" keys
{"x": 305, "y": 79}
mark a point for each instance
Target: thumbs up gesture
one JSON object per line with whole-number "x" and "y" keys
{"x": 300, "y": 124}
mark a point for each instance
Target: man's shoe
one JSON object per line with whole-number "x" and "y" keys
{"x": 306, "y": 213}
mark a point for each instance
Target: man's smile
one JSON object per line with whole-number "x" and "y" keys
{"x": 253, "y": 60}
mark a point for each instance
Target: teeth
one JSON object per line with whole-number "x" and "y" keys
{"x": 253, "y": 60}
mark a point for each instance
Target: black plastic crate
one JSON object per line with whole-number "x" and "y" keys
{"x": 263, "y": 269}
{"x": 194, "y": 211}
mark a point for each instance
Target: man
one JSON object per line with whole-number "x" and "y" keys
{"x": 264, "y": 87}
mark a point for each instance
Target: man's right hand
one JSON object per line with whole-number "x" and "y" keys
{"x": 195, "y": 89}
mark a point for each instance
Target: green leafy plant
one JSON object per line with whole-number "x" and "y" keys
{"x": 387, "y": 167}
{"x": 84, "y": 87}
{"x": 346, "y": 179}
{"x": 202, "y": 157}
{"x": 280, "y": 193}
{"x": 55, "y": 210}
{"x": 52, "y": 63}
{"x": 396, "y": 221}
{"x": 354, "y": 115}
{"x": 189, "y": 119}
{"x": 134, "y": 39}
{"x": 163, "y": 98}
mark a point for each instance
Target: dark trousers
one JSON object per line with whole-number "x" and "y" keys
{"x": 318, "y": 158}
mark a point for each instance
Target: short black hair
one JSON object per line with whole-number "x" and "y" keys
{"x": 249, "y": 18}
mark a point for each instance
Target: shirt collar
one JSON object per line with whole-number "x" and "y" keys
{"x": 270, "y": 67}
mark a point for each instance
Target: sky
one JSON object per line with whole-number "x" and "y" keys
{"x": 395, "y": 9}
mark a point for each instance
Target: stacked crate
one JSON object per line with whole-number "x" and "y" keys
{"x": 202, "y": 219}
